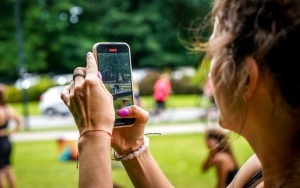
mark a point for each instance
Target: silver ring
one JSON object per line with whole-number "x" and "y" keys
{"x": 78, "y": 74}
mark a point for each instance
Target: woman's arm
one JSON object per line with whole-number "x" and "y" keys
{"x": 145, "y": 172}
{"x": 92, "y": 108}
{"x": 249, "y": 168}
{"x": 142, "y": 170}
{"x": 16, "y": 118}
{"x": 94, "y": 160}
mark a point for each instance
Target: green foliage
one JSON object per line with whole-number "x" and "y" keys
{"x": 56, "y": 35}
{"x": 33, "y": 93}
{"x": 184, "y": 86}
{"x": 32, "y": 107}
{"x": 146, "y": 85}
{"x": 201, "y": 73}
{"x": 13, "y": 94}
{"x": 176, "y": 101}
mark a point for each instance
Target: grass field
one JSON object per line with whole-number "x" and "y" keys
{"x": 36, "y": 163}
{"x": 175, "y": 101}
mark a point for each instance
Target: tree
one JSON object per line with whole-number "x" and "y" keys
{"x": 57, "y": 34}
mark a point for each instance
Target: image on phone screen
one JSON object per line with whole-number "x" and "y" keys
{"x": 115, "y": 66}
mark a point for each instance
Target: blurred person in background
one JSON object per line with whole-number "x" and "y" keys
{"x": 208, "y": 95}
{"x": 67, "y": 147}
{"x": 136, "y": 93}
{"x": 161, "y": 91}
{"x": 7, "y": 114}
{"x": 220, "y": 156}
{"x": 208, "y": 92}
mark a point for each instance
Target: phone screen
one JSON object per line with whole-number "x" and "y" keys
{"x": 115, "y": 66}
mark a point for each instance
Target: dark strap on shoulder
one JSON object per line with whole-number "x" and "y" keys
{"x": 4, "y": 126}
{"x": 255, "y": 179}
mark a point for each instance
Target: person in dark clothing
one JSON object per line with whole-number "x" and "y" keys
{"x": 6, "y": 115}
{"x": 220, "y": 156}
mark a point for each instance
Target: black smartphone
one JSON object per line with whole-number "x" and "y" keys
{"x": 114, "y": 63}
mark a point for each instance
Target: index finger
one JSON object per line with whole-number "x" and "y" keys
{"x": 91, "y": 65}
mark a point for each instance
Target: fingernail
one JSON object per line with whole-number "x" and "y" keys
{"x": 99, "y": 75}
{"x": 89, "y": 53}
{"x": 123, "y": 112}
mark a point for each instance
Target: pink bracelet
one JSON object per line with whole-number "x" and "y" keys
{"x": 133, "y": 154}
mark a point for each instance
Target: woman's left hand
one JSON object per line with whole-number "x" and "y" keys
{"x": 127, "y": 139}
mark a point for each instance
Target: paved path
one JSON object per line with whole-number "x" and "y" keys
{"x": 73, "y": 135}
{"x": 176, "y": 118}
{"x": 171, "y": 115}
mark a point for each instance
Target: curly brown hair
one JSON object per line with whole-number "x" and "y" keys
{"x": 223, "y": 143}
{"x": 266, "y": 30}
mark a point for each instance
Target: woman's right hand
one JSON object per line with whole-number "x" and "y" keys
{"x": 128, "y": 139}
{"x": 88, "y": 99}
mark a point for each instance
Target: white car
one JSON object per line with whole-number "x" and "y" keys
{"x": 51, "y": 104}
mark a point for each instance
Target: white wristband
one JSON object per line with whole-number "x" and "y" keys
{"x": 133, "y": 154}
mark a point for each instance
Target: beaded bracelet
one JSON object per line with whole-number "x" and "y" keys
{"x": 133, "y": 154}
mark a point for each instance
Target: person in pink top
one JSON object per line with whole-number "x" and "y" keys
{"x": 161, "y": 92}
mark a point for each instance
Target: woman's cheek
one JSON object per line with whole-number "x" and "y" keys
{"x": 223, "y": 106}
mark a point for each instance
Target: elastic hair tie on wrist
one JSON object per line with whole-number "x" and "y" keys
{"x": 134, "y": 153}
{"x": 83, "y": 133}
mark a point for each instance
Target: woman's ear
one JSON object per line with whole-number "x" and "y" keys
{"x": 252, "y": 78}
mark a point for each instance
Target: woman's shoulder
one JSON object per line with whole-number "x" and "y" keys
{"x": 223, "y": 157}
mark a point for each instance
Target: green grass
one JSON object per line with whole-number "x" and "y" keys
{"x": 36, "y": 164}
{"x": 175, "y": 101}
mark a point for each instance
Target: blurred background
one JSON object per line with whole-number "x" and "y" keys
{"x": 42, "y": 41}
{"x": 44, "y": 38}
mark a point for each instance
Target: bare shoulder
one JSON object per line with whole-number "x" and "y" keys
{"x": 223, "y": 157}
{"x": 249, "y": 168}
